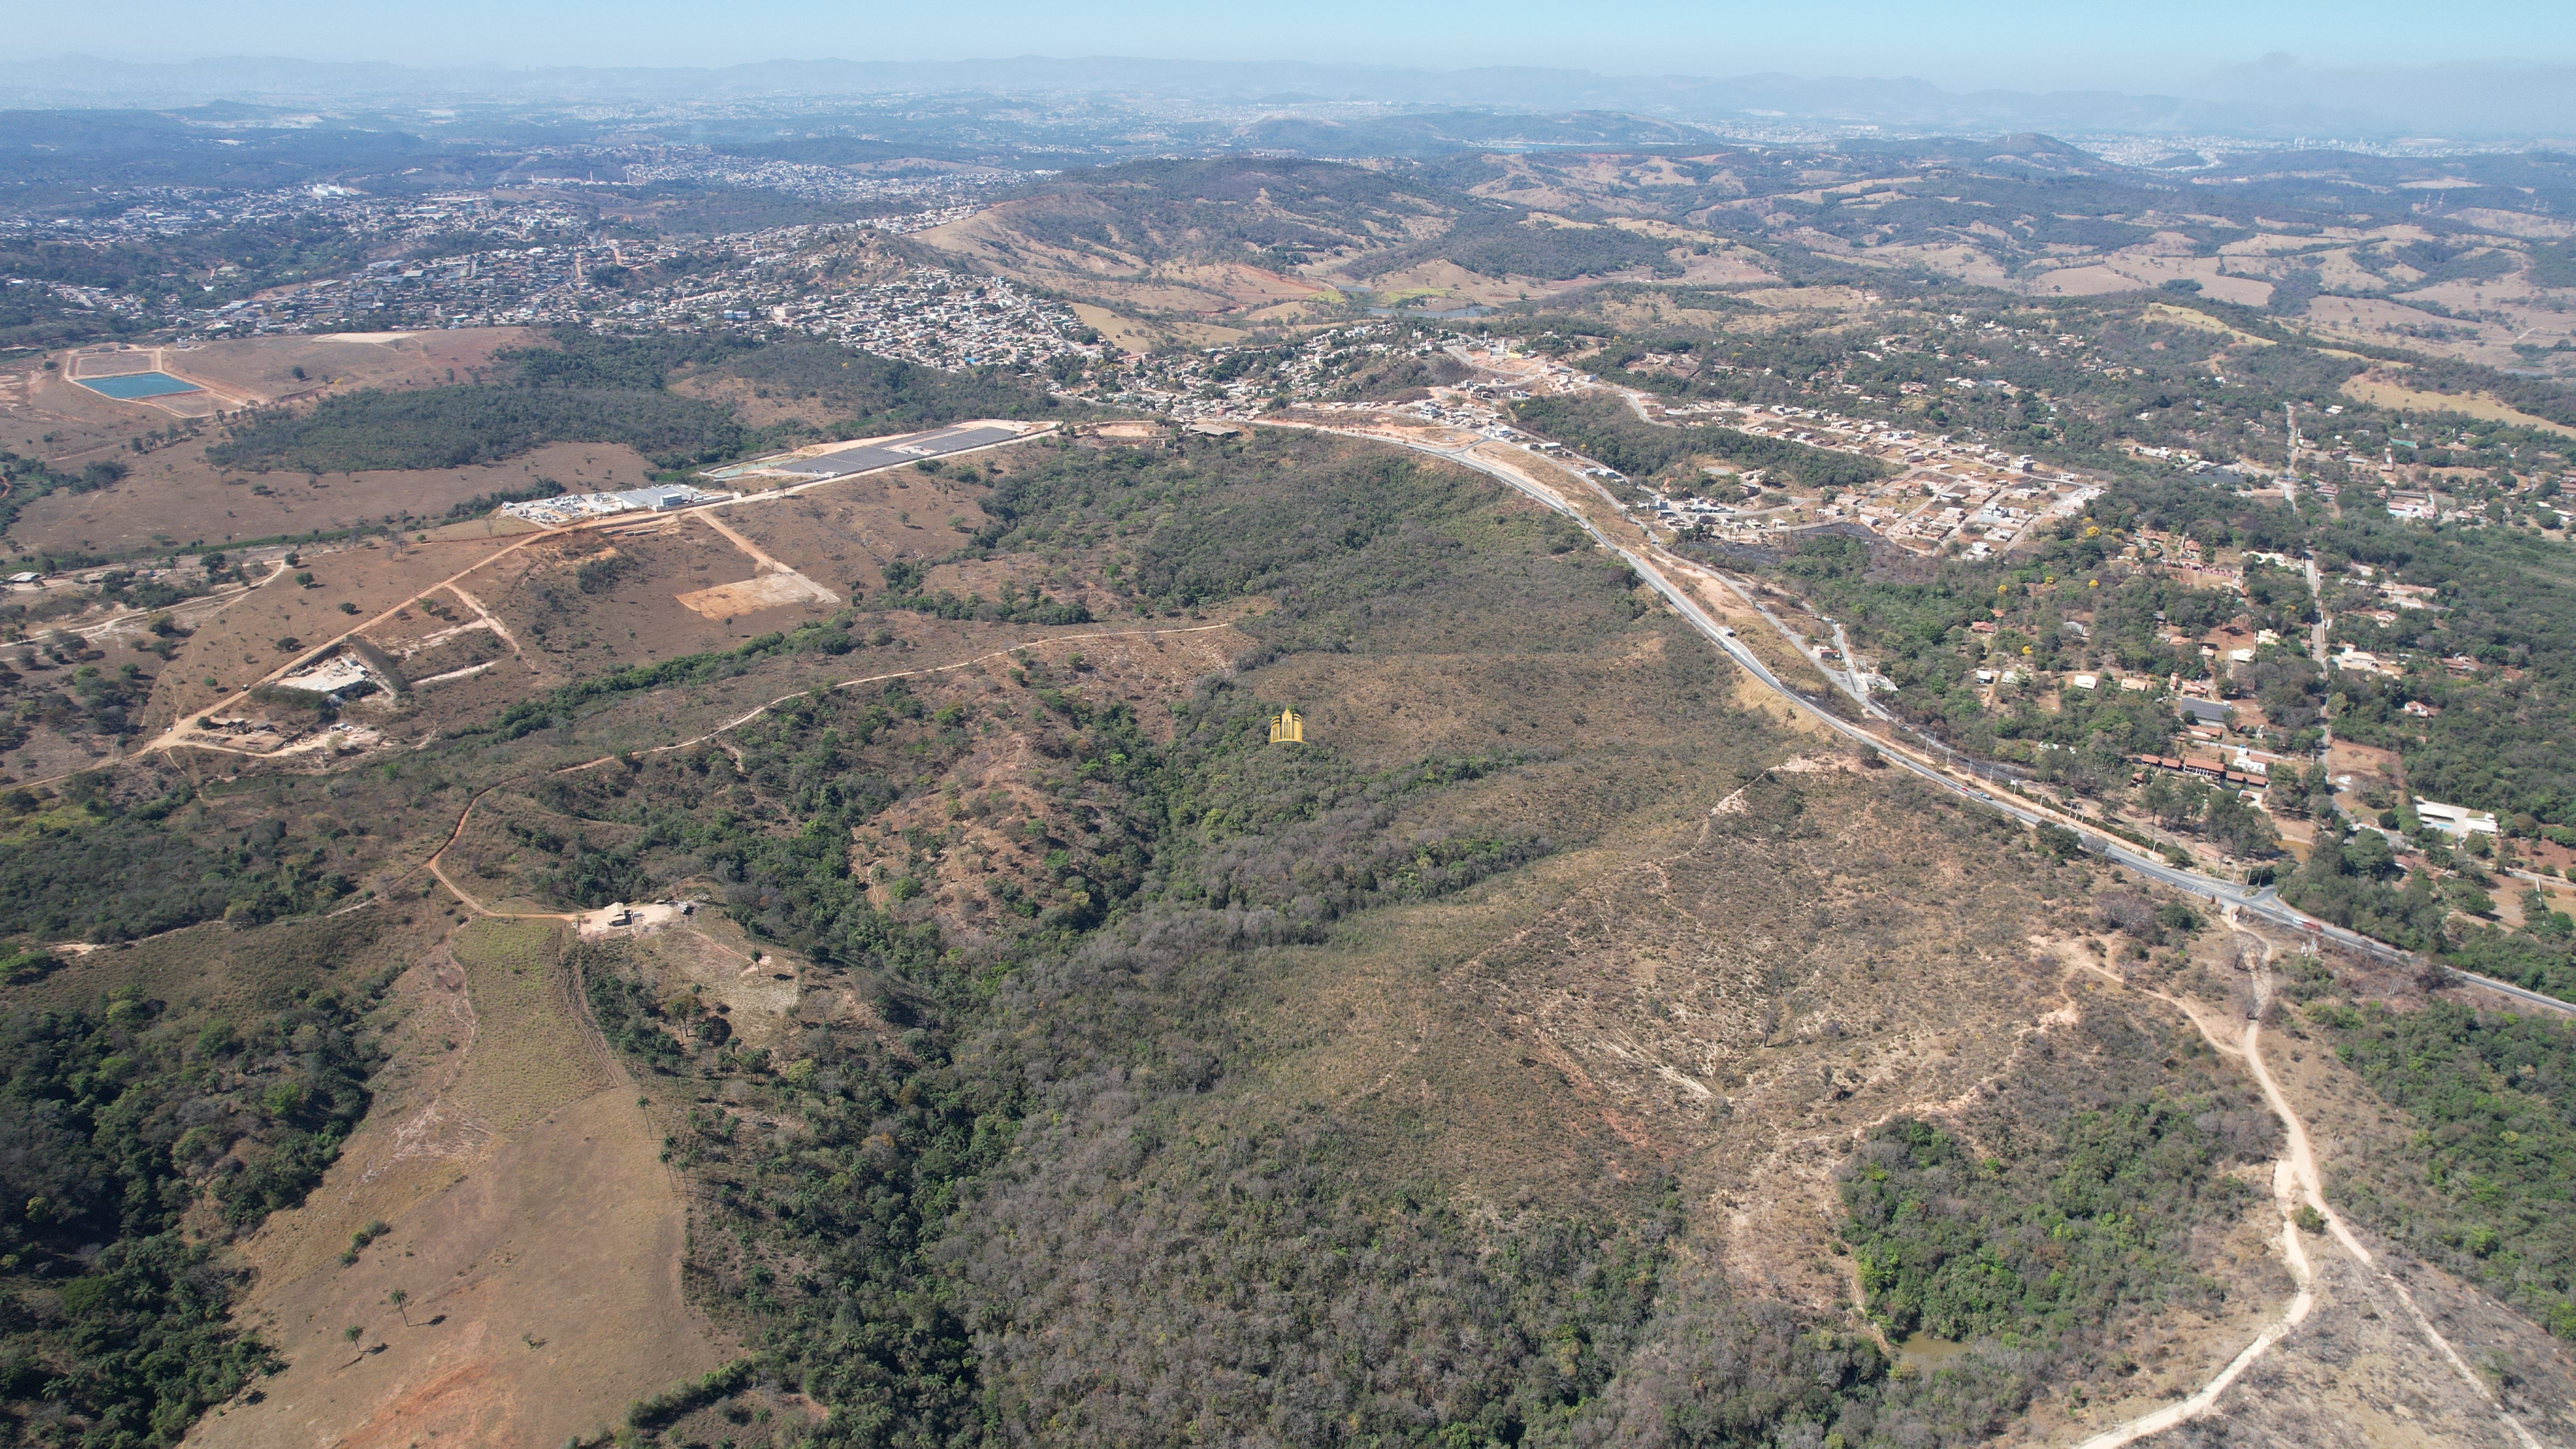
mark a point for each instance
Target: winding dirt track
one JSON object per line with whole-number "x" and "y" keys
{"x": 2295, "y": 1184}
{"x": 2303, "y": 1165}
{"x": 2284, "y": 1193}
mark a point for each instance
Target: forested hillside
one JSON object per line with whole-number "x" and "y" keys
{"x": 144, "y": 1137}
{"x": 1100, "y": 981}
{"x": 591, "y": 388}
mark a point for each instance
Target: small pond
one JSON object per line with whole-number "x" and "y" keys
{"x": 1925, "y": 1353}
{"x": 132, "y": 385}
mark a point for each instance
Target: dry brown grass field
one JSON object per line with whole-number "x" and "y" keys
{"x": 174, "y": 496}
{"x": 2392, "y": 392}
{"x": 43, "y": 412}
{"x": 534, "y": 1233}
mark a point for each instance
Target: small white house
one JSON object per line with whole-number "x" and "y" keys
{"x": 2457, "y": 820}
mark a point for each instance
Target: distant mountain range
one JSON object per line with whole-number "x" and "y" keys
{"x": 2271, "y": 100}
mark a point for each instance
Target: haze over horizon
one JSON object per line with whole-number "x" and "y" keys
{"x": 2188, "y": 48}
{"x": 2277, "y": 97}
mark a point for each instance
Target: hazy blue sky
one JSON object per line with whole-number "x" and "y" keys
{"x": 2020, "y": 43}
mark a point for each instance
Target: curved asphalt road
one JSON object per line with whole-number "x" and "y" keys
{"x": 2262, "y": 901}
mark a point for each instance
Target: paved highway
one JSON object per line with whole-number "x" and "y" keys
{"x": 886, "y": 452}
{"x": 2261, "y": 901}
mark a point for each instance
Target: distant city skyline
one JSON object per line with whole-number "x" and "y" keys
{"x": 2017, "y": 44}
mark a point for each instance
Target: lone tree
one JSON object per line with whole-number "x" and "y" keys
{"x": 398, "y": 1298}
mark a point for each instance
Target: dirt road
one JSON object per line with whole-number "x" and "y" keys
{"x": 181, "y": 735}
{"x": 2295, "y": 1185}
